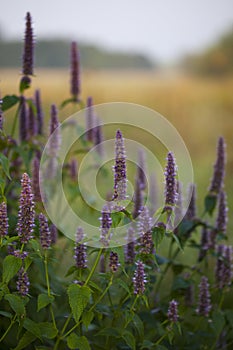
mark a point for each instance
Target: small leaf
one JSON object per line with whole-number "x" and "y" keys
{"x": 210, "y": 203}
{"x": 6, "y": 314}
{"x": 26, "y": 340}
{"x": 112, "y": 332}
{"x": 4, "y": 161}
{"x": 47, "y": 330}
{"x": 32, "y": 327}
{"x": 43, "y": 301}
{"x": 11, "y": 266}
{"x": 9, "y": 101}
{"x": 158, "y": 234}
{"x": 79, "y": 297}
{"x": 177, "y": 241}
{"x": 129, "y": 339}
{"x": 87, "y": 317}
{"x": 16, "y": 304}
{"x": 116, "y": 217}
{"x": 74, "y": 342}
{"x": 71, "y": 270}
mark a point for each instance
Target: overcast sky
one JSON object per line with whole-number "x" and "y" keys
{"x": 163, "y": 29}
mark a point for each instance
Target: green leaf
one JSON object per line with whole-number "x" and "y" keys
{"x": 71, "y": 270}
{"x": 129, "y": 339}
{"x": 218, "y": 321}
{"x": 47, "y": 330}
{"x": 16, "y": 304}
{"x": 138, "y": 324}
{"x": 78, "y": 298}
{"x": 180, "y": 283}
{"x": 87, "y": 317}
{"x": 32, "y": 327}
{"x": 4, "y": 161}
{"x": 43, "y": 301}
{"x": 147, "y": 344}
{"x": 11, "y": 266}
{"x": 116, "y": 217}
{"x": 74, "y": 342}
{"x": 158, "y": 234}
{"x": 9, "y": 101}
{"x": 24, "y": 84}
{"x": 210, "y": 203}
{"x": 229, "y": 316}
{"x": 112, "y": 332}
{"x": 6, "y": 314}
{"x": 177, "y": 241}
{"x": 124, "y": 285}
{"x": 26, "y": 340}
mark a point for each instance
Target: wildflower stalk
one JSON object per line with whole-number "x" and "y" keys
{"x": 9, "y": 328}
{"x": 94, "y": 266}
{"x": 48, "y": 286}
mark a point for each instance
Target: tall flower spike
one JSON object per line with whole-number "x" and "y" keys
{"x": 35, "y": 178}
{"x": 73, "y": 169}
{"x": 105, "y": 227}
{"x": 153, "y": 193}
{"x": 54, "y": 234}
{"x": 138, "y": 198}
{"x": 26, "y": 212}
{"x": 39, "y": 112}
{"x": 227, "y": 273}
{"x": 178, "y": 210}
{"x": 204, "y": 303}
{"x": 45, "y": 234}
{"x": 1, "y": 116}
{"x": 32, "y": 127}
{"x": 23, "y": 120}
{"x": 170, "y": 182}
{"x": 139, "y": 278}
{"x": 3, "y": 220}
{"x": 141, "y": 169}
{"x": 23, "y": 282}
{"x": 120, "y": 181}
{"x": 80, "y": 254}
{"x": 219, "y": 167}
{"x": 98, "y": 138}
{"x": 114, "y": 262}
{"x": 55, "y": 137}
{"x": 90, "y": 120}
{"x": 75, "y": 72}
{"x": 221, "y": 221}
{"x": 28, "y": 55}
{"x": 172, "y": 313}
{"x": 204, "y": 243}
{"x": 191, "y": 211}
{"x": 144, "y": 230}
{"x": 130, "y": 246}
{"x": 223, "y": 269}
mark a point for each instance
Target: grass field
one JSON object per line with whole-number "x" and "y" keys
{"x": 200, "y": 109}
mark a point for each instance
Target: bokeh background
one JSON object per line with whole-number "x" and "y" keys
{"x": 174, "y": 57}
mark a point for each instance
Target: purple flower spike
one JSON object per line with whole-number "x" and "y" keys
{"x": 3, "y": 220}
{"x": 98, "y": 139}
{"x": 23, "y": 282}
{"x": 45, "y": 234}
{"x": 80, "y": 254}
{"x": 223, "y": 270}
{"x": 75, "y": 71}
{"x": 204, "y": 243}
{"x": 139, "y": 278}
{"x": 138, "y": 199}
{"x": 23, "y": 120}
{"x": 172, "y": 313}
{"x": 144, "y": 229}
{"x": 74, "y": 170}
{"x": 35, "y": 178}
{"x": 90, "y": 120}
{"x": 219, "y": 167}
{"x": 39, "y": 112}
{"x": 26, "y": 212}
{"x": 55, "y": 139}
{"x": 221, "y": 222}
{"x": 114, "y": 262}
{"x": 204, "y": 303}
{"x": 170, "y": 182}
{"x": 120, "y": 181}
{"x": 130, "y": 247}
{"x": 1, "y": 117}
{"x": 141, "y": 169}
{"x": 106, "y": 223}
{"x": 54, "y": 234}
{"x": 32, "y": 127}
{"x": 191, "y": 211}
{"x": 28, "y": 55}
{"x": 227, "y": 274}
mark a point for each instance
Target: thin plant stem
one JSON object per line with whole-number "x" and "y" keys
{"x": 94, "y": 266}
{"x": 9, "y": 328}
{"x": 48, "y": 287}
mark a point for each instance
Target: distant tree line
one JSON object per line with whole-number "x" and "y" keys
{"x": 55, "y": 54}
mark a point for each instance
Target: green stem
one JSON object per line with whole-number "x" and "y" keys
{"x": 160, "y": 339}
{"x": 48, "y": 287}
{"x": 131, "y": 310}
{"x": 94, "y": 266}
{"x": 15, "y": 121}
{"x": 8, "y": 329}
{"x": 103, "y": 294}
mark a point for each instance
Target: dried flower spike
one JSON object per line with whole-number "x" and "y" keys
{"x": 120, "y": 181}
{"x": 219, "y": 168}
{"x": 170, "y": 182}
{"x": 3, "y": 220}
{"x": 45, "y": 234}
{"x": 23, "y": 282}
{"x": 28, "y": 55}
{"x": 172, "y": 313}
{"x": 26, "y": 212}
{"x": 139, "y": 278}
{"x": 75, "y": 72}
{"x": 114, "y": 262}
{"x": 204, "y": 304}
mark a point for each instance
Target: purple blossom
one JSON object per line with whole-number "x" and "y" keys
{"x": 45, "y": 234}
{"x": 120, "y": 181}
{"x": 55, "y": 137}
{"x": 153, "y": 193}
{"x": 204, "y": 303}
{"x": 113, "y": 262}
{"x": 73, "y": 169}
{"x": 172, "y": 313}
{"x": 130, "y": 246}
{"x": 204, "y": 243}
{"x": 32, "y": 127}
{"x": 219, "y": 168}
{"x": 90, "y": 119}
{"x": 138, "y": 199}
{"x": 26, "y": 212}
{"x": 1, "y": 117}
{"x": 23, "y": 120}
{"x": 54, "y": 234}
{"x": 80, "y": 254}
{"x": 23, "y": 282}
{"x": 3, "y": 220}
{"x": 18, "y": 254}
{"x": 35, "y": 178}
{"x": 105, "y": 227}
{"x": 39, "y": 112}
{"x": 141, "y": 169}
{"x": 139, "y": 278}
{"x": 221, "y": 221}
{"x": 191, "y": 211}
{"x": 223, "y": 269}
{"x": 98, "y": 138}
{"x": 144, "y": 230}
{"x": 28, "y": 55}
{"x": 75, "y": 72}
{"x": 170, "y": 182}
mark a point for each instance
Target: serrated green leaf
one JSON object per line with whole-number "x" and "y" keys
{"x": 79, "y": 297}
{"x": 95, "y": 286}
{"x": 158, "y": 234}
{"x": 16, "y": 304}
{"x": 76, "y": 342}
{"x": 4, "y": 161}
{"x": 87, "y": 317}
{"x": 47, "y": 330}
{"x": 138, "y": 324}
{"x": 210, "y": 203}
{"x": 32, "y": 327}
{"x": 11, "y": 266}
{"x": 9, "y": 101}
{"x": 26, "y": 340}
{"x": 129, "y": 339}
{"x": 43, "y": 301}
